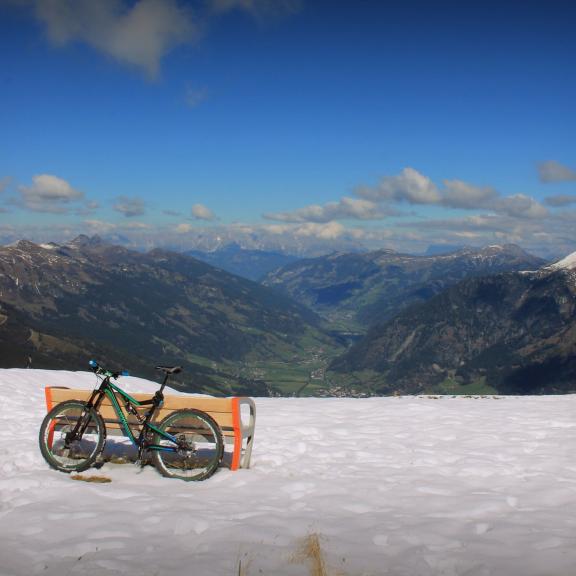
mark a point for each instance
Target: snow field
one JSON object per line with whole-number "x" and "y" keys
{"x": 391, "y": 486}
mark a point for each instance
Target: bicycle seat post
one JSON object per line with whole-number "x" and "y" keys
{"x": 166, "y": 376}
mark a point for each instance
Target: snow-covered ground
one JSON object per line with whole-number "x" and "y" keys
{"x": 390, "y": 486}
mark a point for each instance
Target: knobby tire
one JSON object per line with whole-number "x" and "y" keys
{"x": 83, "y": 452}
{"x": 201, "y": 446}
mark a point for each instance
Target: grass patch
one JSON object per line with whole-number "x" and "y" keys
{"x": 450, "y": 386}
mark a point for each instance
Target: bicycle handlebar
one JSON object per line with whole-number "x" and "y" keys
{"x": 106, "y": 373}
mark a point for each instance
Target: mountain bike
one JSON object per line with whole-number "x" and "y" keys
{"x": 187, "y": 444}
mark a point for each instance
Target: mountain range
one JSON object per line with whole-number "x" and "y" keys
{"x": 356, "y": 291}
{"x": 487, "y": 320}
{"x": 512, "y": 333}
{"x": 61, "y": 305}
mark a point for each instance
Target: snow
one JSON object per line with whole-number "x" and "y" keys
{"x": 404, "y": 486}
{"x": 568, "y": 263}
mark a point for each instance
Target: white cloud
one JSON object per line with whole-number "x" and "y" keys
{"x": 48, "y": 193}
{"x": 183, "y": 228}
{"x": 520, "y": 206}
{"x": 459, "y": 194}
{"x": 139, "y": 34}
{"x": 355, "y": 208}
{"x": 201, "y": 212}
{"x": 324, "y": 231}
{"x": 328, "y": 231}
{"x": 276, "y": 229}
{"x": 552, "y": 171}
{"x": 409, "y": 186}
{"x": 130, "y": 207}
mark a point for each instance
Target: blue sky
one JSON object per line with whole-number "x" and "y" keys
{"x": 386, "y": 124}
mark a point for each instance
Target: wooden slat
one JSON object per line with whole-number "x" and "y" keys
{"x": 171, "y": 402}
{"x": 69, "y": 421}
{"x": 219, "y": 408}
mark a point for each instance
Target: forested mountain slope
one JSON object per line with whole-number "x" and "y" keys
{"x": 514, "y": 332}
{"x": 61, "y": 305}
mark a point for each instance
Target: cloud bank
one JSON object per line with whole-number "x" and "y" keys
{"x": 413, "y": 188}
{"x": 358, "y": 209}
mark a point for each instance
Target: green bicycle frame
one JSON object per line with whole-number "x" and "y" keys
{"x": 111, "y": 391}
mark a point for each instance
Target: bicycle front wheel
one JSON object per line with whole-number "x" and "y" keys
{"x": 196, "y": 449}
{"x": 64, "y": 452}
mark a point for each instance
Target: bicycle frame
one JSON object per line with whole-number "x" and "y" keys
{"x": 113, "y": 393}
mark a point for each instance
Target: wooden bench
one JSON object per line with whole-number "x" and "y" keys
{"x": 236, "y": 417}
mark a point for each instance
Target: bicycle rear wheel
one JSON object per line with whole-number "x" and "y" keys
{"x": 200, "y": 446}
{"x": 62, "y": 452}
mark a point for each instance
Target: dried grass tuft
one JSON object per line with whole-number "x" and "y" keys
{"x": 311, "y": 552}
{"x": 96, "y": 479}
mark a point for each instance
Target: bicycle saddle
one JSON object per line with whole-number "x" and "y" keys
{"x": 169, "y": 369}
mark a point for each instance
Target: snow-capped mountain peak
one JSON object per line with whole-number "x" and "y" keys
{"x": 568, "y": 263}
